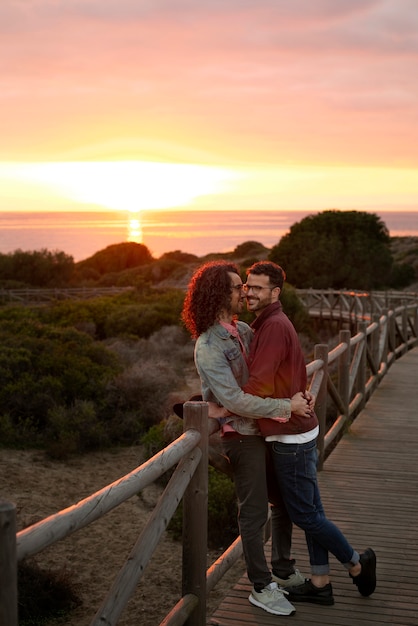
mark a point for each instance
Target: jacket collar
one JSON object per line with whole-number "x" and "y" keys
{"x": 220, "y": 331}
{"x": 271, "y": 309}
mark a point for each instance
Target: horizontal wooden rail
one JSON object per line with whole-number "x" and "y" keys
{"x": 25, "y": 296}
{"x": 46, "y": 532}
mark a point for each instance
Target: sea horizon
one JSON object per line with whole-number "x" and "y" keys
{"x": 82, "y": 234}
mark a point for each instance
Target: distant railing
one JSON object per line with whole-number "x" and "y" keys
{"x": 347, "y": 375}
{"x": 26, "y": 296}
{"x": 351, "y": 305}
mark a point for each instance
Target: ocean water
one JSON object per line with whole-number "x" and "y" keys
{"x": 81, "y": 234}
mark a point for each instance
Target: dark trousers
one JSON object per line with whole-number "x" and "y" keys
{"x": 295, "y": 466}
{"x": 256, "y": 486}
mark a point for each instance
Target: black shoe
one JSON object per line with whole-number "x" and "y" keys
{"x": 307, "y": 592}
{"x": 366, "y": 580}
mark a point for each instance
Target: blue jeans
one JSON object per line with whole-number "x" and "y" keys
{"x": 256, "y": 486}
{"x": 295, "y": 467}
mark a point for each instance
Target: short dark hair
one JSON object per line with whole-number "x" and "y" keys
{"x": 276, "y": 274}
{"x": 209, "y": 293}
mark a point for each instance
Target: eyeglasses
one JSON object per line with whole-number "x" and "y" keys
{"x": 238, "y": 287}
{"x": 255, "y": 288}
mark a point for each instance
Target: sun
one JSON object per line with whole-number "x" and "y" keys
{"x": 128, "y": 185}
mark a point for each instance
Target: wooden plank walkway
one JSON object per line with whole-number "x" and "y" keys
{"x": 369, "y": 487}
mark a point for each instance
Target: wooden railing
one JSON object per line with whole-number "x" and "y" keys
{"x": 26, "y": 296}
{"x": 347, "y": 375}
{"x": 344, "y": 376}
{"x": 189, "y": 453}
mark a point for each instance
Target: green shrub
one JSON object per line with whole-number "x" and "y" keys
{"x": 43, "y": 368}
{"x": 222, "y": 512}
{"x": 38, "y": 268}
{"x": 116, "y": 257}
{"x": 336, "y": 249}
{"x": 154, "y": 439}
{"x": 402, "y": 275}
{"x": 44, "y": 594}
{"x": 222, "y": 503}
{"x": 135, "y": 313}
{"x": 18, "y": 433}
{"x": 250, "y": 250}
{"x": 74, "y": 430}
{"x": 180, "y": 256}
{"x": 69, "y": 392}
{"x": 136, "y": 399}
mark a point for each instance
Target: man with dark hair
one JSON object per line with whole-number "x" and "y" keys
{"x": 277, "y": 369}
{"x": 214, "y": 299}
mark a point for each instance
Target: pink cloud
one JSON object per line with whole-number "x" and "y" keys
{"x": 271, "y": 79}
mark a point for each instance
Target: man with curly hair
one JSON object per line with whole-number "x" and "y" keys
{"x": 214, "y": 299}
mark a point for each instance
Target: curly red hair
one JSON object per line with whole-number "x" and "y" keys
{"x": 208, "y": 294}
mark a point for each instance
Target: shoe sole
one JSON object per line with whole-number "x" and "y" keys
{"x": 266, "y": 608}
{"x": 371, "y": 561}
{"x": 313, "y": 600}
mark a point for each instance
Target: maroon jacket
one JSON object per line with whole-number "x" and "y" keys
{"x": 277, "y": 368}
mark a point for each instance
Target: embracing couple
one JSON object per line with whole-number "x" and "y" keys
{"x": 254, "y": 379}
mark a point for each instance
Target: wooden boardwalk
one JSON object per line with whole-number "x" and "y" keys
{"x": 369, "y": 487}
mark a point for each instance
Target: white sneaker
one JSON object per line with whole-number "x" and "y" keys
{"x": 291, "y": 581}
{"x": 272, "y": 600}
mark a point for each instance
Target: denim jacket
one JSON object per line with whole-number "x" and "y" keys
{"x": 223, "y": 370}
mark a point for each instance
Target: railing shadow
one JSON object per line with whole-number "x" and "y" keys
{"x": 345, "y": 377}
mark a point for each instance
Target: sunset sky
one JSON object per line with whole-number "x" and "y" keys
{"x": 212, "y": 104}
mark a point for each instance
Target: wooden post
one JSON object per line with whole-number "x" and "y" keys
{"x": 404, "y": 326}
{"x": 414, "y": 318}
{"x": 8, "y": 564}
{"x": 344, "y": 371}
{"x": 321, "y": 352}
{"x": 385, "y": 345}
{"x": 362, "y": 370}
{"x": 392, "y": 333}
{"x": 374, "y": 342}
{"x": 195, "y": 517}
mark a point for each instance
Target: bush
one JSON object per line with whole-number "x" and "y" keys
{"x": 135, "y": 313}
{"x": 222, "y": 512}
{"x": 116, "y": 258}
{"x": 66, "y": 392}
{"x": 39, "y": 268}
{"x": 402, "y": 275}
{"x": 336, "y": 249}
{"x": 44, "y": 594}
{"x": 74, "y": 430}
{"x": 47, "y": 370}
{"x": 222, "y": 503}
{"x": 136, "y": 399}
{"x": 154, "y": 439}
{"x": 249, "y": 250}
{"x": 180, "y": 257}
{"x": 16, "y": 432}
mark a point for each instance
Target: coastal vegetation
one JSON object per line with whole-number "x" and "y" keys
{"x": 88, "y": 374}
{"x": 82, "y": 374}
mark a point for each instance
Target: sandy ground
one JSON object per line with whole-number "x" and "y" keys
{"x": 93, "y": 556}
